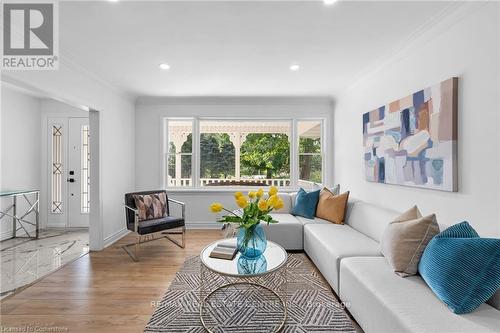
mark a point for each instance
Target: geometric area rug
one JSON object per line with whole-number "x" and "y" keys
{"x": 311, "y": 306}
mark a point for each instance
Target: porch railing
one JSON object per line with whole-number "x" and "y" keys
{"x": 282, "y": 182}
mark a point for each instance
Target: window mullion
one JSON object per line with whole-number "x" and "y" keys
{"x": 195, "y": 157}
{"x": 294, "y": 158}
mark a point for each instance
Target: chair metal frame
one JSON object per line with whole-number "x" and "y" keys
{"x": 151, "y": 237}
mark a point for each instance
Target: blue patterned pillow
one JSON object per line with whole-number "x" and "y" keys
{"x": 461, "y": 268}
{"x": 305, "y": 203}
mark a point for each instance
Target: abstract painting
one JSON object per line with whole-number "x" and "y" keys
{"x": 413, "y": 141}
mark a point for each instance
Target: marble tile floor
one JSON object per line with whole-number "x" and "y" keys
{"x": 25, "y": 261}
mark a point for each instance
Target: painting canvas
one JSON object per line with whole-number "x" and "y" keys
{"x": 413, "y": 141}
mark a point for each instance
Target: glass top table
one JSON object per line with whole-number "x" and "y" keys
{"x": 22, "y": 215}
{"x": 236, "y": 288}
{"x": 273, "y": 258}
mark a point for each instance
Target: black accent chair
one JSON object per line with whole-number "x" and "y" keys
{"x": 149, "y": 228}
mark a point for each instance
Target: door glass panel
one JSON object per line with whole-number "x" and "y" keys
{"x": 57, "y": 168}
{"x": 85, "y": 170}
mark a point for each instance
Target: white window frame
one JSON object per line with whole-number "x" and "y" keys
{"x": 195, "y": 162}
{"x": 322, "y": 121}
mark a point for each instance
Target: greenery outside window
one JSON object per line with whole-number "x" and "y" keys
{"x": 310, "y": 153}
{"x": 242, "y": 153}
{"x": 179, "y": 153}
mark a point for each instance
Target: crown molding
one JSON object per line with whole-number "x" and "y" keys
{"x": 429, "y": 30}
{"x": 66, "y": 58}
{"x": 235, "y": 100}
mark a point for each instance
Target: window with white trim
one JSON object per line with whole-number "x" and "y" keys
{"x": 207, "y": 153}
{"x": 179, "y": 153}
{"x": 310, "y": 152}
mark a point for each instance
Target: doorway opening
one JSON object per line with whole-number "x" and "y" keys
{"x": 57, "y": 142}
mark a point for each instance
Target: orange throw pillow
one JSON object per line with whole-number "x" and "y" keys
{"x": 332, "y": 207}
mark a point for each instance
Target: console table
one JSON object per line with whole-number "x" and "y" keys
{"x": 19, "y": 221}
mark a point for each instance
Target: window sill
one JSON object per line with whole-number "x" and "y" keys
{"x": 199, "y": 190}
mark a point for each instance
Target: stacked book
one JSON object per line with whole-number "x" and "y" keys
{"x": 225, "y": 250}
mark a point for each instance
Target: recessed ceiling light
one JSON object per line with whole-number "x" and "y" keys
{"x": 294, "y": 67}
{"x": 329, "y": 2}
{"x": 165, "y": 66}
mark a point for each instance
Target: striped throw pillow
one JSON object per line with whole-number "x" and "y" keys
{"x": 461, "y": 268}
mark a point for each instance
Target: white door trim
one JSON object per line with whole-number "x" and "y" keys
{"x": 96, "y": 234}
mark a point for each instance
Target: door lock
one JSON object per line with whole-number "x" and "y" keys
{"x": 71, "y": 180}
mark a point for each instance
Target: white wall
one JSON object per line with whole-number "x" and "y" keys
{"x": 72, "y": 83}
{"x": 466, "y": 47}
{"x": 20, "y": 150}
{"x": 149, "y": 119}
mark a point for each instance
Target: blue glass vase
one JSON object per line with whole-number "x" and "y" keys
{"x": 252, "y": 241}
{"x": 249, "y": 266}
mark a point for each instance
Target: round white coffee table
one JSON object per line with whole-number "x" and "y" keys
{"x": 242, "y": 292}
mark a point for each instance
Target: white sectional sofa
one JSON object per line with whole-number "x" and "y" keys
{"x": 349, "y": 258}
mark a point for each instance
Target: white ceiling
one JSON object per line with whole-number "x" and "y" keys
{"x": 236, "y": 48}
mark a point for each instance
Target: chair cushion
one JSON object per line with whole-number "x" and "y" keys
{"x": 381, "y": 301}
{"x": 327, "y": 244}
{"x": 332, "y": 207}
{"x": 306, "y": 203}
{"x": 151, "y": 206}
{"x": 287, "y": 232}
{"x": 462, "y": 268}
{"x": 405, "y": 239}
{"x": 155, "y": 225}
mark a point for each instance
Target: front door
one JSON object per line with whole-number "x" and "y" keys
{"x": 69, "y": 178}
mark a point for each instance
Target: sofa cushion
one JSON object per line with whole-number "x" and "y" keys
{"x": 287, "y": 204}
{"x": 404, "y": 240}
{"x": 287, "y": 232}
{"x": 370, "y": 219}
{"x": 383, "y": 302}
{"x": 462, "y": 268}
{"x": 306, "y": 203}
{"x": 327, "y": 244}
{"x": 315, "y": 220}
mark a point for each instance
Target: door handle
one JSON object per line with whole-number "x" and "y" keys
{"x": 71, "y": 180}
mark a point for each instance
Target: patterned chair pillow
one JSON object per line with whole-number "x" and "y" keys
{"x": 151, "y": 206}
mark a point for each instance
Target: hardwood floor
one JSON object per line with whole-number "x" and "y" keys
{"x": 103, "y": 291}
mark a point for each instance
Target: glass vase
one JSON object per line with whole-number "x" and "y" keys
{"x": 247, "y": 266}
{"x": 252, "y": 241}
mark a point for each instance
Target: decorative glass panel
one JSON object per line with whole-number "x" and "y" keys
{"x": 85, "y": 170}
{"x": 57, "y": 169}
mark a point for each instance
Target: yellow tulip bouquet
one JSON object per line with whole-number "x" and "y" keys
{"x": 255, "y": 207}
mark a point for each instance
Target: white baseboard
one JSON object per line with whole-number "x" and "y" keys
{"x": 192, "y": 225}
{"x": 203, "y": 225}
{"x": 6, "y": 234}
{"x": 115, "y": 237}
